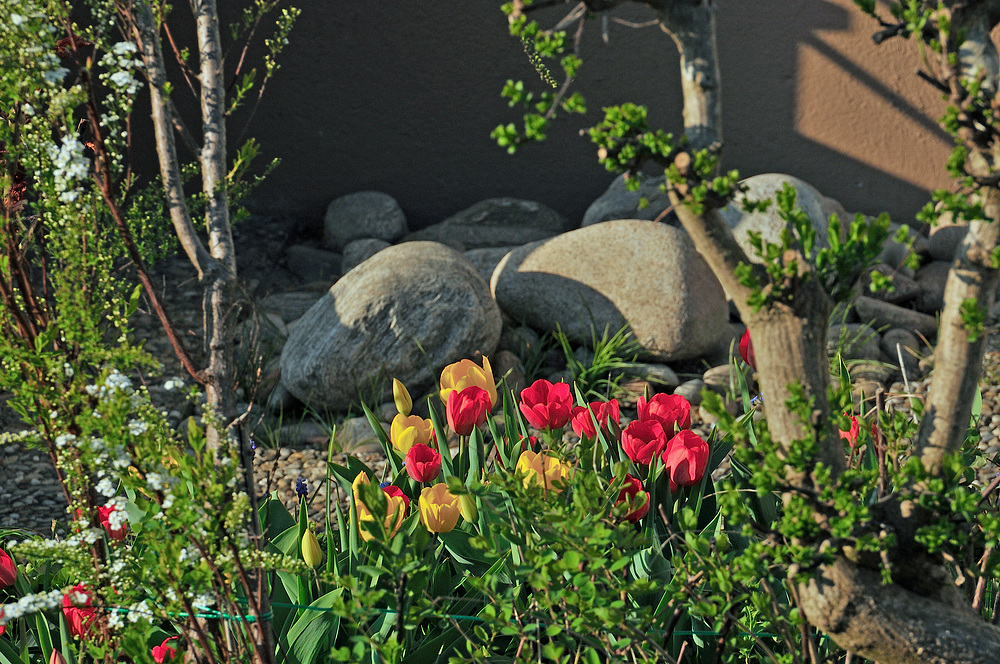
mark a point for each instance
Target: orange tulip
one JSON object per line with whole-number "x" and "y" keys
{"x": 467, "y": 373}
{"x": 408, "y": 430}
{"x": 542, "y": 469}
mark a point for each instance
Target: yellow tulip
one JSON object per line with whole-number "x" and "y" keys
{"x": 311, "y": 553}
{"x": 406, "y": 431}
{"x": 467, "y": 373}
{"x": 467, "y": 505}
{"x": 401, "y": 397}
{"x": 439, "y": 509}
{"x": 542, "y": 469}
{"x": 395, "y": 508}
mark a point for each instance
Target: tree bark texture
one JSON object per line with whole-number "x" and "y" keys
{"x": 691, "y": 23}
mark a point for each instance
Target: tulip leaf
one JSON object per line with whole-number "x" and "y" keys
{"x": 315, "y": 631}
{"x": 8, "y": 655}
{"x": 476, "y": 454}
{"x": 442, "y": 440}
{"x": 383, "y": 439}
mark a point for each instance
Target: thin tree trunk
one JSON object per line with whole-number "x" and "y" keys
{"x": 691, "y": 23}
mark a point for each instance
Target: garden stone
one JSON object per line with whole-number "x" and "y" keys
{"x": 505, "y": 361}
{"x": 371, "y": 214}
{"x": 643, "y": 274}
{"x": 931, "y": 280}
{"x": 617, "y": 202}
{"x": 280, "y": 399}
{"x": 495, "y": 222}
{"x": 721, "y": 378}
{"x": 860, "y": 342}
{"x": 909, "y": 348}
{"x": 769, "y": 223}
{"x": 521, "y": 340}
{"x": 289, "y": 306}
{"x": 873, "y": 371}
{"x": 691, "y": 390}
{"x": 905, "y": 288}
{"x": 312, "y": 263}
{"x": 404, "y": 313}
{"x": 561, "y": 376}
{"x": 356, "y": 432}
{"x": 662, "y": 377}
{"x": 882, "y": 313}
{"x": 945, "y": 236}
{"x": 894, "y": 254}
{"x": 485, "y": 260}
{"x": 357, "y": 252}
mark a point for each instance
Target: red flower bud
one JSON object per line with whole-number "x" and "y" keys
{"x": 671, "y": 410}
{"x": 423, "y": 463}
{"x": 8, "y": 570}
{"x": 583, "y": 423}
{"x": 686, "y": 459}
{"x": 79, "y": 614}
{"x": 468, "y": 409}
{"x": 643, "y": 440}
{"x": 546, "y": 406}
{"x": 746, "y": 350}
{"x": 633, "y": 496}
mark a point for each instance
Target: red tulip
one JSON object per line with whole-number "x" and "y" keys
{"x": 3, "y": 628}
{"x": 468, "y": 409}
{"x": 852, "y": 436}
{"x": 104, "y": 512}
{"x": 78, "y": 617}
{"x": 8, "y": 570}
{"x": 583, "y": 423}
{"x": 643, "y": 440}
{"x": 746, "y": 350}
{"x": 163, "y": 652}
{"x": 671, "y": 410}
{"x": 633, "y": 496}
{"x": 686, "y": 459}
{"x": 546, "y": 406}
{"x": 423, "y": 463}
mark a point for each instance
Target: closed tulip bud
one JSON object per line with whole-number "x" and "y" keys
{"x": 423, "y": 463}
{"x": 56, "y": 657}
{"x": 401, "y": 397}
{"x": 467, "y": 409}
{"x": 467, "y": 505}
{"x": 311, "y": 553}
{"x": 685, "y": 459}
{"x": 8, "y": 570}
{"x": 746, "y": 350}
{"x": 439, "y": 509}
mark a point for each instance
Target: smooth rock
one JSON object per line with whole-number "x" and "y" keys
{"x": 358, "y": 251}
{"x": 280, "y": 399}
{"x": 691, "y": 390}
{"x": 355, "y": 432}
{"x": 521, "y": 340}
{"x": 312, "y": 263}
{"x": 856, "y": 342}
{"x": 945, "y": 236}
{"x": 662, "y": 377}
{"x": 289, "y": 306}
{"x": 602, "y": 277}
{"x": 904, "y": 288}
{"x": 768, "y": 223}
{"x": 931, "y": 280}
{"x": 495, "y": 222}
{"x": 909, "y": 347}
{"x": 617, "y": 202}
{"x": 363, "y": 214}
{"x": 404, "y": 313}
{"x": 485, "y": 260}
{"x": 722, "y": 379}
{"x": 882, "y": 313}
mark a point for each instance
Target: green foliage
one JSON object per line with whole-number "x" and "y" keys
{"x": 613, "y": 355}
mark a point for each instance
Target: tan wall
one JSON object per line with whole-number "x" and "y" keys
{"x": 401, "y": 96}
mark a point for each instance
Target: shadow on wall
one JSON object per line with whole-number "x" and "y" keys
{"x": 399, "y": 98}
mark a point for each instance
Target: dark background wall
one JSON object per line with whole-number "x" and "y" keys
{"x": 401, "y": 96}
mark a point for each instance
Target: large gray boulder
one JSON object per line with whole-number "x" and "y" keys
{"x": 769, "y": 223}
{"x": 630, "y": 271}
{"x": 617, "y": 202}
{"x": 404, "y": 313}
{"x": 360, "y": 215}
{"x": 495, "y": 222}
